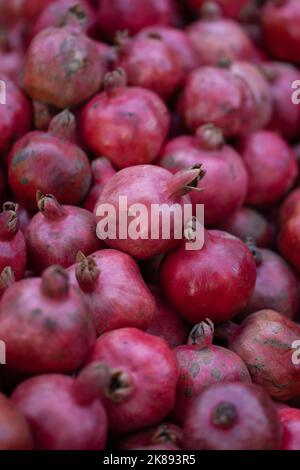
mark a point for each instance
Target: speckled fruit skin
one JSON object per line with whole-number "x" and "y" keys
{"x": 225, "y": 184}
{"x": 15, "y": 432}
{"x": 62, "y": 67}
{"x": 280, "y": 23}
{"x": 56, "y": 419}
{"x": 102, "y": 171}
{"x": 276, "y": 286}
{"x": 163, "y": 434}
{"x": 289, "y": 240}
{"x": 127, "y": 125}
{"x": 230, "y": 8}
{"x": 260, "y": 341}
{"x": 56, "y": 234}
{"x": 271, "y": 165}
{"x": 12, "y": 242}
{"x": 119, "y": 15}
{"x": 247, "y": 222}
{"x": 41, "y": 319}
{"x": 115, "y": 290}
{"x": 152, "y": 371}
{"x": 233, "y": 416}
{"x": 290, "y": 419}
{"x": 15, "y": 115}
{"x": 67, "y": 175}
{"x": 194, "y": 281}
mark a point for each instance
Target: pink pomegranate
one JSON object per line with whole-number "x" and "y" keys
{"x": 233, "y": 416}
{"x": 56, "y": 234}
{"x": 143, "y": 236}
{"x": 63, "y": 67}
{"x": 142, "y": 378}
{"x": 230, "y": 8}
{"x": 68, "y": 172}
{"x": 58, "y": 420}
{"x": 115, "y": 290}
{"x": 271, "y": 166}
{"x": 161, "y": 435}
{"x": 11, "y": 64}
{"x": 102, "y": 171}
{"x": 194, "y": 281}
{"x": 12, "y": 242}
{"x": 15, "y": 432}
{"x": 7, "y": 278}
{"x": 290, "y": 419}
{"x": 289, "y": 239}
{"x": 265, "y": 342}
{"x": 202, "y": 364}
{"x": 15, "y": 114}
{"x": 224, "y": 188}
{"x": 119, "y": 15}
{"x": 46, "y": 324}
{"x": 127, "y": 125}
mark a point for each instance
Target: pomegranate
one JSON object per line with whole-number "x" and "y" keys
{"x": 163, "y": 434}
{"x": 265, "y": 342}
{"x": 224, "y": 187}
{"x": 232, "y": 416}
{"x": 271, "y": 166}
{"x": 289, "y": 239}
{"x": 15, "y": 432}
{"x": 119, "y": 15}
{"x": 290, "y": 419}
{"x": 290, "y": 206}
{"x": 142, "y": 236}
{"x": 56, "y": 234}
{"x": 102, "y": 171}
{"x": 63, "y": 67}
{"x": 51, "y": 163}
{"x": 202, "y": 364}
{"x": 12, "y": 242}
{"x": 15, "y": 115}
{"x": 58, "y": 420}
{"x": 167, "y": 324}
{"x": 247, "y": 222}
{"x": 115, "y": 290}
{"x": 127, "y": 125}
{"x": 280, "y": 23}
{"x": 150, "y": 63}
{"x": 142, "y": 378}
{"x": 194, "y": 281}
{"x": 7, "y": 278}
{"x": 45, "y": 324}
{"x": 231, "y": 8}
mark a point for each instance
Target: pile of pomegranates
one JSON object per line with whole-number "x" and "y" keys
{"x": 149, "y": 225}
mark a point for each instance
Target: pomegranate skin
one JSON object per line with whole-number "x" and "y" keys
{"x": 167, "y": 324}
{"x": 280, "y": 24}
{"x": 127, "y": 125}
{"x": 45, "y": 311}
{"x": 163, "y": 434}
{"x": 230, "y": 8}
{"x": 15, "y": 116}
{"x": 247, "y": 222}
{"x": 150, "y": 63}
{"x": 290, "y": 206}
{"x": 151, "y": 372}
{"x": 290, "y": 419}
{"x": 224, "y": 186}
{"x": 15, "y": 432}
{"x": 12, "y": 242}
{"x": 56, "y": 420}
{"x": 271, "y": 165}
{"x": 68, "y": 175}
{"x": 289, "y": 240}
{"x": 260, "y": 341}
{"x": 178, "y": 41}
{"x": 193, "y": 281}
{"x": 56, "y": 234}
{"x": 62, "y": 68}
{"x": 220, "y": 39}
{"x": 115, "y": 302}
{"x": 233, "y": 416}
{"x": 102, "y": 171}
{"x": 120, "y": 15}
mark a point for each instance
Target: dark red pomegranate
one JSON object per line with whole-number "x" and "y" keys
{"x": 202, "y": 364}
{"x": 289, "y": 239}
{"x": 46, "y": 324}
{"x": 233, "y": 416}
{"x": 115, "y": 290}
{"x": 12, "y": 242}
{"x": 161, "y": 435}
{"x": 290, "y": 419}
{"x": 290, "y": 206}
{"x": 102, "y": 171}
{"x": 50, "y": 163}
{"x": 57, "y": 418}
{"x": 56, "y": 234}
{"x": 224, "y": 188}
{"x": 194, "y": 281}
{"x": 142, "y": 378}
{"x": 126, "y": 125}
{"x": 7, "y": 278}
{"x": 33, "y": 8}
{"x": 15, "y": 432}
